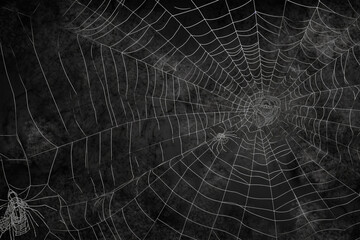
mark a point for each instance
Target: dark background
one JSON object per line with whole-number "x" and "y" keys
{"x": 108, "y": 112}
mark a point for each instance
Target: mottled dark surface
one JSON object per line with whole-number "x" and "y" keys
{"x": 145, "y": 120}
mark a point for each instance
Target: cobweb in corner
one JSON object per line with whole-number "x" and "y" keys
{"x": 182, "y": 120}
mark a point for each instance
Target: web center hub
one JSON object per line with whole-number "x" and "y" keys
{"x": 266, "y": 110}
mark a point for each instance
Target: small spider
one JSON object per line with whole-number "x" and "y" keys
{"x": 17, "y": 217}
{"x": 219, "y": 140}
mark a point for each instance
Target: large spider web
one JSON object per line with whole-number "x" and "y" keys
{"x": 185, "y": 119}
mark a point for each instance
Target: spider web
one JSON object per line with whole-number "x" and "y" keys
{"x": 111, "y": 128}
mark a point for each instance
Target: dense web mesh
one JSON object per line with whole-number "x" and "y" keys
{"x": 185, "y": 119}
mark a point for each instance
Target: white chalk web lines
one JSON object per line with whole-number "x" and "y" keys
{"x": 189, "y": 120}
